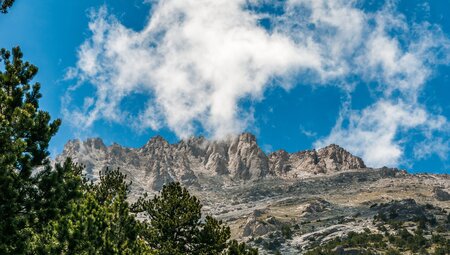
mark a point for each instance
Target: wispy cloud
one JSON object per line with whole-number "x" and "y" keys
{"x": 197, "y": 60}
{"x": 372, "y": 133}
{"x": 307, "y": 132}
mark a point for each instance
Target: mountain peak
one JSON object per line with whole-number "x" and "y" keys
{"x": 335, "y": 157}
{"x": 156, "y": 140}
{"x": 95, "y": 143}
{"x": 332, "y": 146}
{"x": 247, "y": 137}
{"x": 238, "y": 158}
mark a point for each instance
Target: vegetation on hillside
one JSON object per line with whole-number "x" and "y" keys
{"x": 411, "y": 233}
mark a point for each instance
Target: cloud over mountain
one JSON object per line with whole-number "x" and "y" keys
{"x": 196, "y": 61}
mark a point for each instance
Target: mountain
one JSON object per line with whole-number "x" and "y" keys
{"x": 237, "y": 158}
{"x": 286, "y": 202}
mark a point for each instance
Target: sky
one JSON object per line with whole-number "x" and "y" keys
{"x": 371, "y": 76}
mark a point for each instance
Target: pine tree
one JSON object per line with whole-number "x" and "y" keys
{"x": 57, "y": 187}
{"x": 25, "y": 132}
{"x": 175, "y": 226}
{"x": 174, "y": 220}
{"x": 100, "y": 222}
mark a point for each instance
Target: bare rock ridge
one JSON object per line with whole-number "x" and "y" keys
{"x": 328, "y": 159}
{"x": 236, "y": 158}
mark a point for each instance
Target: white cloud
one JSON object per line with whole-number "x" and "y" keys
{"x": 438, "y": 146}
{"x": 377, "y": 133}
{"x": 196, "y": 60}
{"x": 371, "y": 133}
{"x": 307, "y": 133}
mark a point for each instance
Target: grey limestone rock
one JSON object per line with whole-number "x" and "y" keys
{"x": 236, "y": 158}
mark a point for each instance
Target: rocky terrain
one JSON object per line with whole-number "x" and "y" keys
{"x": 281, "y": 202}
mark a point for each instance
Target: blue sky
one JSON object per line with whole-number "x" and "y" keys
{"x": 372, "y": 76}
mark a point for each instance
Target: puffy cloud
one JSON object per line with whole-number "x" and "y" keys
{"x": 378, "y": 132}
{"x": 372, "y": 132}
{"x": 197, "y": 60}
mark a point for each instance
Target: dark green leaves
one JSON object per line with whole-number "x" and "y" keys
{"x": 25, "y": 133}
{"x": 99, "y": 222}
{"x": 175, "y": 226}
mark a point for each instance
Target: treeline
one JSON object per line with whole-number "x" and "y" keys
{"x": 47, "y": 209}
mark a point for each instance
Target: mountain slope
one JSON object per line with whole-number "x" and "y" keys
{"x": 286, "y": 202}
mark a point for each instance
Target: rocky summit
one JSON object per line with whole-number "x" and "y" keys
{"x": 288, "y": 203}
{"x": 237, "y": 158}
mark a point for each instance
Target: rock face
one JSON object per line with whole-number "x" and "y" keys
{"x": 236, "y": 158}
{"x": 328, "y": 159}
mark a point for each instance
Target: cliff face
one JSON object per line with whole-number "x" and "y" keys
{"x": 236, "y": 158}
{"x": 329, "y": 159}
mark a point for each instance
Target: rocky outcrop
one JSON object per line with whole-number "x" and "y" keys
{"x": 440, "y": 194}
{"x": 236, "y": 158}
{"x": 328, "y": 159}
{"x": 279, "y": 162}
{"x": 335, "y": 158}
{"x": 403, "y": 210}
{"x": 246, "y": 159}
{"x": 317, "y": 206}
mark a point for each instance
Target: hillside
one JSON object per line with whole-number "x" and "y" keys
{"x": 289, "y": 202}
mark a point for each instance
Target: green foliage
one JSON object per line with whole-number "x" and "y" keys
{"x": 441, "y": 250}
{"x": 392, "y": 251}
{"x": 272, "y": 244}
{"x": 46, "y": 209}
{"x": 57, "y": 188}
{"x": 25, "y": 132}
{"x": 370, "y": 243}
{"x": 213, "y": 237}
{"x": 286, "y": 231}
{"x": 5, "y": 4}
{"x": 236, "y": 248}
{"x": 175, "y": 225}
{"x": 174, "y": 220}
{"x": 98, "y": 223}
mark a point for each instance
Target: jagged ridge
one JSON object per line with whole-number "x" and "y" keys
{"x": 238, "y": 158}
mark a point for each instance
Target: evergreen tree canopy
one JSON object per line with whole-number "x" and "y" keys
{"x": 175, "y": 225}
{"x": 5, "y": 4}
{"x": 99, "y": 222}
{"x": 25, "y": 132}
